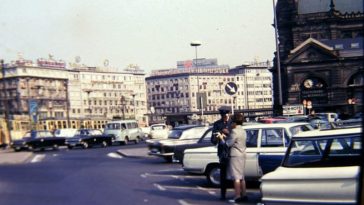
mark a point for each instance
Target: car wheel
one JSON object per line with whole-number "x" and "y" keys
{"x": 213, "y": 175}
{"x": 104, "y": 144}
{"x": 16, "y": 149}
{"x": 126, "y": 141}
{"x": 168, "y": 159}
{"x": 85, "y": 145}
{"x": 55, "y": 147}
{"x": 137, "y": 140}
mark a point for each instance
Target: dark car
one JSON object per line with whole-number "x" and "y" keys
{"x": 179, "y": 135}
{"x": 204, "y": 141}
{"x": 37, "y": 140}
{"x": 89, "y": 137}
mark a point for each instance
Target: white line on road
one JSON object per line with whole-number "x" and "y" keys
{"x": 37, "y": 158}
{"x": 207, "y": 190}
{"x": 114, "y": 155}
{"x": 160, "y": 187}
{"x": 173, "y": 176}
{"x": 183, "y": 202}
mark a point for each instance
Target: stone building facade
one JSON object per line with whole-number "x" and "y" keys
{"x": 321, "y": 54}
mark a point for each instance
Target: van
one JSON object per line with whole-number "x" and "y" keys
{"x": 124, "y": 131}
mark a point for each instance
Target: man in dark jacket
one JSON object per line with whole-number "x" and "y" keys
{"x": 222, "y": 127}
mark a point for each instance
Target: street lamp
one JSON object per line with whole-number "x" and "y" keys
{"x": 134, "y": 105}
{"x": 352, "y": 102}
{"x": 199, "y": 97}
{"x": 307, "y": 104}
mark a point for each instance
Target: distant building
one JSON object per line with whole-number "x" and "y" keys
{"x": 47, "y": 95}
{"x": 173, "y": 93}
{"x": 321, "y": 54}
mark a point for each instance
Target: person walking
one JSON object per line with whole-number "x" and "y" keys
{"x": 235, "y": 169}
{"x": 220, "y": 128}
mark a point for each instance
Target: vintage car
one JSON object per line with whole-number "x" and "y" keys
{"x": 124, "y": 131}
{"x": 179, "y": 135}
{"x": 37, "y": 140}
{"x": 204, "y": 141}
{"x": 266, "y": 145}
{"x": 320, "y": 167}
{"x": 89, "y": 137}
{"x": 159, "y": 131}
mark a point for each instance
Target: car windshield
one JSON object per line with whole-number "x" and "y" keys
{"x": 175, "y": 134}
{"x": 113, "y": 126}
{"x": 158, "y": 127}
{"x": 328, "y": 152}
{"x": 300, "y": 128}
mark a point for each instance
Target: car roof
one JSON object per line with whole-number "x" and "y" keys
{"x": 184, "y": 127}
{"x": 275, "y": 125}
{"x": 328, "y": 133}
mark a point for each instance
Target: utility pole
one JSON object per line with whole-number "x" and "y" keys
{"x": 6, "y": 105}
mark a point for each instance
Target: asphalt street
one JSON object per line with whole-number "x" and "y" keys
{"x": 113, "y": 175}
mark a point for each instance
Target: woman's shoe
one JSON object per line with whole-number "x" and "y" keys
{"x": 235, "y": 200}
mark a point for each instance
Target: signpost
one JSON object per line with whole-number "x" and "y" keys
{"x": 231, "y": 89}
{"x": 292, "y": 110}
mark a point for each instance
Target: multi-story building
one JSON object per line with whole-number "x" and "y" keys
{"x": 321, "y": 55}
{"x": 179, "y": 95}
{"x": 47, "y": 95}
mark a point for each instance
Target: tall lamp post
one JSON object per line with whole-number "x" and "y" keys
{"x": 199, "y": 97}
{"x": 133, "y": 95}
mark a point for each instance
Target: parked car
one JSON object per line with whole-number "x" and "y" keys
{"x": 159, "y": 131}
{"x": 124, "y": 131}
{"x": 204, "y": 141}
{"x": 266, "y": 145}
{"x": 67, "y": 132}
{"x": 89, "y": 137}
{"x": 179, "y": 135}
{"x": 320, "y": 167}
{"x": 37, "y": 140}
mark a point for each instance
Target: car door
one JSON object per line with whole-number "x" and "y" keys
{"x": 272, "y": 147}
{"x": 251, "y": 164}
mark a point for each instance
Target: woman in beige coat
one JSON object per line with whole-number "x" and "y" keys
{"x": 235, "y": 170}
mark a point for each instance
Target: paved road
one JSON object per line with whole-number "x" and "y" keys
{"x": 113, "y": 175}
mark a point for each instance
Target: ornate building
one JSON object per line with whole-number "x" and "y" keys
{"x": 321, "y": 55}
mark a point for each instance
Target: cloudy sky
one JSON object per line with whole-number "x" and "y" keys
{"x": 153, "y": 34}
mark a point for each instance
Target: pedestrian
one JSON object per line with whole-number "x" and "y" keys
{"x": 235, "y": 170}
{"x": 221, "y": 127}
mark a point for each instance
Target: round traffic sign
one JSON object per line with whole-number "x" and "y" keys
{"x": 231, "y": 88}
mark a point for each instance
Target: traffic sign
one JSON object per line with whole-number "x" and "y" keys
{"x": 231, "y": 88}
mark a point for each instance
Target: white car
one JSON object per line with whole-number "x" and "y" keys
{"x": 320, "y": 167}
{"x": 159, "y": 131}
{"x": 266, "y": 145}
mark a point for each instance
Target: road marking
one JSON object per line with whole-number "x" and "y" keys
{"x": 37, "y": 158}
{"x": 114, "y": 155}
{"x": 207, "y": 190}
{"x": 183, "y": 202}
{"x": 159, "y": 187}
{"x": 181, "y": 177}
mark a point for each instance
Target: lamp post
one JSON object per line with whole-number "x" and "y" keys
{"x": 307, "y": 104}
{"x": 134, "y": 105}
{"x": 352, "y": 102}
{"x": 199, "y": 97}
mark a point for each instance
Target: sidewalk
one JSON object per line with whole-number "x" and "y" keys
{"x": 134, "y": 152}
{"x": 8, "y": 156}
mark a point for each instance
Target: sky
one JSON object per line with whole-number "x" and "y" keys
{"x": 153, "y": 34}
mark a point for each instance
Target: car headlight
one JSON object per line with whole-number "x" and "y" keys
{"x": 80, "y": 140}
{"x": 24, "y": 143}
